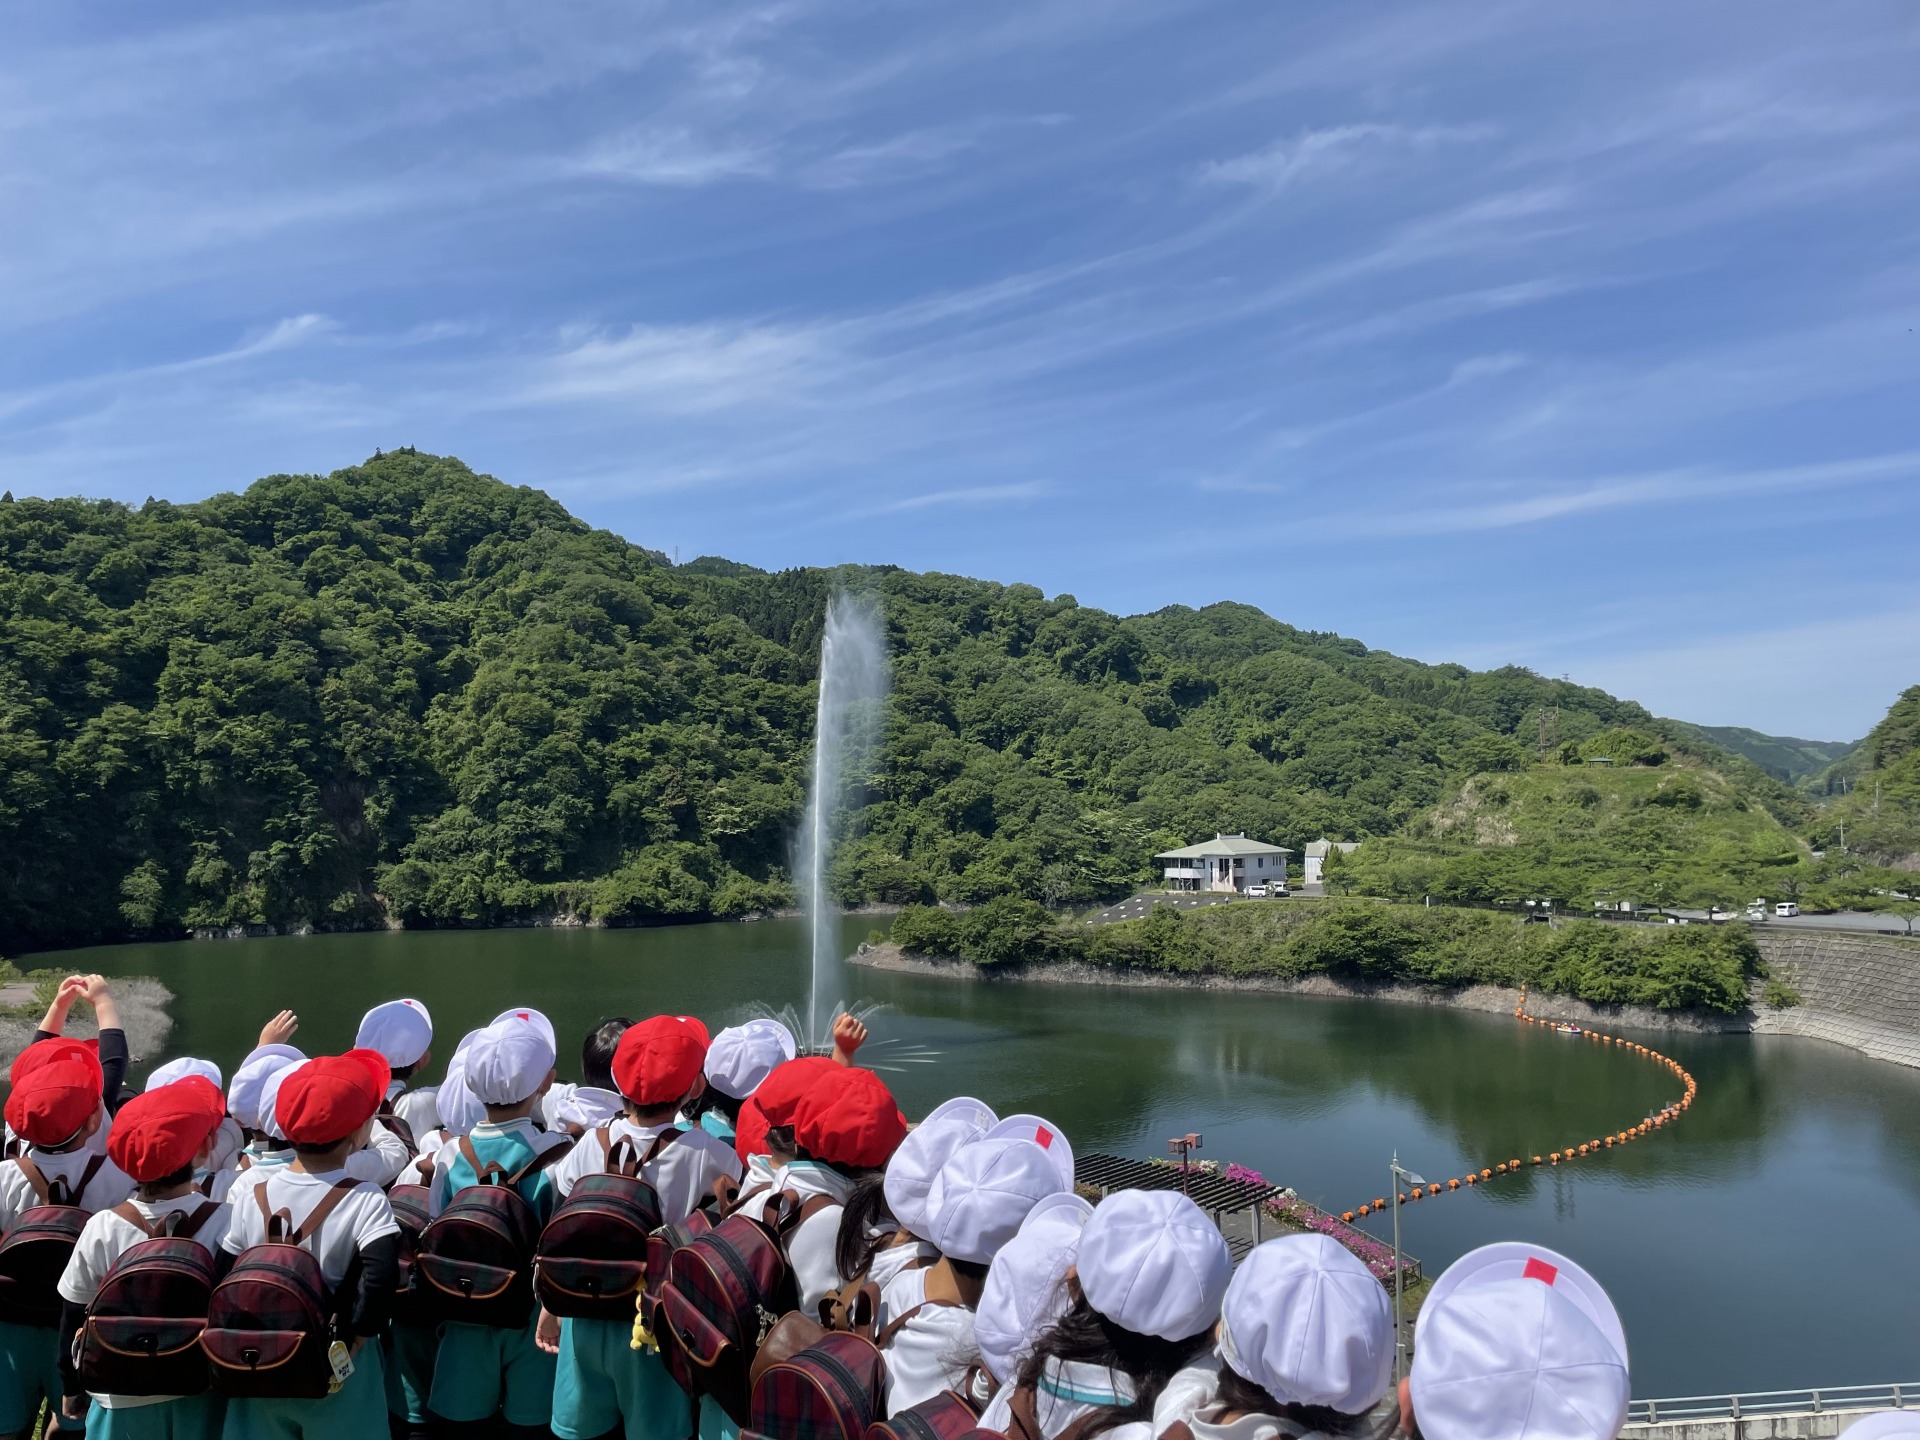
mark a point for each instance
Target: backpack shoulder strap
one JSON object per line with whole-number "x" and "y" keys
{"x": 491, "y": 1172}
{"x": 552, "y": 1155}
{"x": 130, "y": 1213}
{"x": 190, "y": 1224}
{"x": 660, "y": 1142}
{"x": 1026, "y": 1419}
{"x": 329, "y": 1202}
{"x": 86, "y": 1177}
{"x": 900, "y": 1321}
{"x": 34, "y": 1177}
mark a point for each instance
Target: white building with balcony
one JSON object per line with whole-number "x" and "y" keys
{"x": 1226, "y": 862}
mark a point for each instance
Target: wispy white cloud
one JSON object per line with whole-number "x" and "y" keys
{"x": 971, "y": 495}
{"x": 1331, "y": 151}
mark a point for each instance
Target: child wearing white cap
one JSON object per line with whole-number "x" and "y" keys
{"x": 976, "y": 1204}
{"x": 1146, "y": 1287}
{"x": 740, "y": 1057}
{"x": 910, "y": 1175}
{"x": 1516, "y": 1342}
{"x": 1026, "y": 1289}
{"x": 1306, "y": 1346}
{"x": 402, "y": 1031}
{"x": 480, "y": 1371}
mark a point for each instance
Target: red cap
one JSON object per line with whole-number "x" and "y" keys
{"x": 659, "y": 1059}
{"x": 697, "y": 1025}
{"x": 161, "y": 1131}
{"x": 325, "y": 1100}
{"x": 45, "y": 1052}
{"x": 852, "y": 1121}
{"x": 51, "y": 1102}
{"x": 779, "y": 1094}
{"x": 750, "y": 1131}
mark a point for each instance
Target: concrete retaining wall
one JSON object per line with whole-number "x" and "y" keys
{"x": 1854, "y": 990}
{"x": 1798, "y": 1425}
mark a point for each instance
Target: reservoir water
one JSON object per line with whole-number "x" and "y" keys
{"x": 1766, "y": 1241}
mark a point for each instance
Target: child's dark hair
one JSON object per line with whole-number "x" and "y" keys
{"x": 403, "y": 1072}
{"x": 1237, "y": 1393}
{"x": 166, "y": 1182}
{"x": 866, "y": 1211}
{"x": 1083, "y": 1333}
{"x": 596, "y": 1054}
{"x": 304, "y": 1150}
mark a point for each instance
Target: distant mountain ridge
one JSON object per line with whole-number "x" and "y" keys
{"x": 1785, "y": 758}
{"x": 408, "y": 692}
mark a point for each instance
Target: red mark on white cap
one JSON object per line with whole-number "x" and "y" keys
{"x": 1043, "y": 1138}
{"x": 1538, "y": 1269}
{"x": 523, "y": 1015}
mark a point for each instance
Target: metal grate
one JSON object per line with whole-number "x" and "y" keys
{"x": 1206, "y": 1189}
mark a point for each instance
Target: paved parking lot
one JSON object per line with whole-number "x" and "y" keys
{"x": 1139, "y": 905}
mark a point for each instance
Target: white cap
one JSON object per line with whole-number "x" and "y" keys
{"x": 1044, "y": 1133}
{"x": 741, "y": 1056}
{"x": 919, "y": 1157}
{"x": 179, "y": 1070}
{"x": 1516, "y": 1342}
{"x": 1308, "y": 1323}
{"x": 533, "y": 1018}
{"x": 507, "y": 1062}
{"x": 270, "y": 1098}
{"x": 401, "y": 1030}
{"x": 243, "y": 1096}
{"x": 981, "y": 1196}
{"x": 460, "y": 1108}
{"x": 1026, "y": 1290}
{"x": 583, "y": 1105}
{"x": 1153, "y": 1263}
{"x": 1885, "y": 1425}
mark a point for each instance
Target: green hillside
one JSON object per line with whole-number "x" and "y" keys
{"x": 407, "y": 691}
{"x": 1671, "y": 834}
{"x": 1786, "y": 759}
{"x": 1877, "y": 818}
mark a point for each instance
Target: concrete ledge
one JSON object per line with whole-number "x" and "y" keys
{"x": 1792, "y": 1425}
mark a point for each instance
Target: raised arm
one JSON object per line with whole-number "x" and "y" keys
{"x": 55, "y": 1021}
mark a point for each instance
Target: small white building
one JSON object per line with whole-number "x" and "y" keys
{"x": 1314, "y": 857}
{"x": 1226, "y": 862}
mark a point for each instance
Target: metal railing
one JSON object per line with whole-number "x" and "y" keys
{"x": 1773, "y": 1402}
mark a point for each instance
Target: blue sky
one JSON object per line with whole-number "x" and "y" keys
{"x": 1577, "y": 337}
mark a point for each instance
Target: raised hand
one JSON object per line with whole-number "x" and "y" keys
{"x": 280, "y": 1028}
{"x": 848, "y": 1036}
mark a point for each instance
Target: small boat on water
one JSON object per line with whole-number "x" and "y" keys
{"x": 1563, "y": 1028}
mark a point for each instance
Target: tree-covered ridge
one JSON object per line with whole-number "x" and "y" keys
{"x": 404, "y": 691}
{"x": 1876, "y": 819}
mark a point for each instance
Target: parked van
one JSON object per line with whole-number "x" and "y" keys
{"x": 1786, "y": 908}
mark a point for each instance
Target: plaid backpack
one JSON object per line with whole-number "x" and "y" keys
{"x": 592, "y": 1257}
{"x": 142, "y": 1332}
{"x": 474, "y": 1263}
{"x": 947, "y": 1416}
{"x": 724, "y": 1291}
{"x": 410, "y": 1212}
{"x": 269, "y": 1323}
{"x": 35, "y": 1253}
{"x": 832, "y": 1390}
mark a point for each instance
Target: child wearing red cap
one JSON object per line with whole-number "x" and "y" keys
{"x": 326, "y": 1108}
{"x": 55, "y": 1108}
{"x": 602, "y": 1383}
{"x": 160, "y": 1138}
{"x": 110, "y": 1048}
{"x": 845, "y": 1129}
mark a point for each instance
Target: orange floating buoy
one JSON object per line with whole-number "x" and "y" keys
{"x": 1472, "y": 1179}
{"x": 1501, "y": 1168}
{"x": 1486, "y": 1174}
{"x": 1433, "y": 1189}
{"x": 1554, "y": 1156}
{"x": 1453, "y": 1184}
{"x": 1536, "y": 1159}
{"x": 1347, "y": 1215}
{"x": 1609, "y": 1141}
{"x": 1362, "y": 1211}
{"x": 1380, "y": 1204}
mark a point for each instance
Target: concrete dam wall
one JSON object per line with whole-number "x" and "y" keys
{"x": 1855, "y": 990}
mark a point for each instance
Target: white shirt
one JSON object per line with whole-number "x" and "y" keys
{"x": 1248, "y": 1427}
{"x": 1069, "y": 1389}
{"x": 363, "y": 1217}
{"x": 1191, "y": 1389}
{"x": 106, "y": 1238}
{"x": 417, "y": 1170}
{"x": 681, "y": 1175}
{"x": 811, "y": 1245}
{"x": 932, "y": 1351}
{"x": 381, "y": 1159}
{"x": 895, "y": 1259}
{"x": 419, "y": 1108}
{"x": 109, "y": 1186}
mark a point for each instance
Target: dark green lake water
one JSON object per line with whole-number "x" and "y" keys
{"x": 1767, "y": 1241}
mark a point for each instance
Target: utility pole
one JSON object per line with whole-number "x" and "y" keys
{"x": 1396, "y": 1174}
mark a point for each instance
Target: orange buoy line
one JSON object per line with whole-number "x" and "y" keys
{"x": 1661, "y": 1118}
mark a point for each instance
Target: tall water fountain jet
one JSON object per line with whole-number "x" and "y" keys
{"x": 846, "y": 739}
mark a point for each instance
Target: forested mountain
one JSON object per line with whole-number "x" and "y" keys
{"x": 408, "y": 692}
{"x": 1781, "y": 756}
{"x": 1879, "y": 810}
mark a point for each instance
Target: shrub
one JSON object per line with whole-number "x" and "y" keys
{"x": 1779, "y": 995}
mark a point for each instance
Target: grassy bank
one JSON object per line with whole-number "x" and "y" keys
{"x": 1670, "y": 968}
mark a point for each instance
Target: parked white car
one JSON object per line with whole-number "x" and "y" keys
{"x": 1786, "y": 908}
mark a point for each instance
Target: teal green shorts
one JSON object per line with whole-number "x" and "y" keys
{"x": 481, "y": 1370}
{"x": 192, "y": 1417}
{"x": 715, "y": 1423}
{"x": 357, "y": 1410}
{"x": 30, "y": 1373}
{"x": 603, "y": 1383}
{"x": 409, "y": 1361}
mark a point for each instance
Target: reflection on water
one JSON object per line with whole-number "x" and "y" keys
{"x": 1763, "y": 1242}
